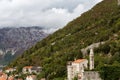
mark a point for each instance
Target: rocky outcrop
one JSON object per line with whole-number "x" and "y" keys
{"x": 17, "y": 40}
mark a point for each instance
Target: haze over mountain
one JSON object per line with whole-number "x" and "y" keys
{"x": 51, "y": 14}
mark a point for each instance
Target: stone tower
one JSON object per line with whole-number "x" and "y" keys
{"x": 91, "y": 59}
{"x": 118, "y": 2}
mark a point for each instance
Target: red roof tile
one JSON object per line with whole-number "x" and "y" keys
{"x": 79, "y": 60}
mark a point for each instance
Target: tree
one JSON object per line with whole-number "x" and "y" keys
{"x": 75, "y": 78}
{"x": 110, "y": 72}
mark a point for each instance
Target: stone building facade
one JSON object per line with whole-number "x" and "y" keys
{"x": 77, "y": 69}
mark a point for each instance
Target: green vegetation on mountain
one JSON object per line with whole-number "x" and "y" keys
{"x": 110, "y": 72}
{"x": 101, "y": 23}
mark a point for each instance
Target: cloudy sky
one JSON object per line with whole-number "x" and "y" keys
{"x": 48, "y": 13}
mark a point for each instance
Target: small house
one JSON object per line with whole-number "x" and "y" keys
{"x": 31, "y": 77}
{"x": 10, "y": 70}
{"x": 31, "y": 69}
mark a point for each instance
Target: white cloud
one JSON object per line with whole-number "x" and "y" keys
{"x": 51, "y": 14}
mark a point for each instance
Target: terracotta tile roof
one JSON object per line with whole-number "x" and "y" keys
{"x": 79, "y": 60}
{"x": 28, "y": 67}
{"x": 9, "y": 69}
{"x": 3, "y": 77}
{"x": 1, "y": 73}
{"x": 11, "y": 78}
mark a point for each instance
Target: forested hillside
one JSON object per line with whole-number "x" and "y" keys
{"x": 101, "y": 23}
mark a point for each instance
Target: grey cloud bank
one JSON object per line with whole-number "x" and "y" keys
{"x": 52, "y": 14}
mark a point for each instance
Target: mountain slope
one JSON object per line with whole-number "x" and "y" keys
{"x": 14, "y": 41}
{"x": 100, "y": 24}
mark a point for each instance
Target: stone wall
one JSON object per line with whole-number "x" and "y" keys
{"x": 91, "y": 75}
